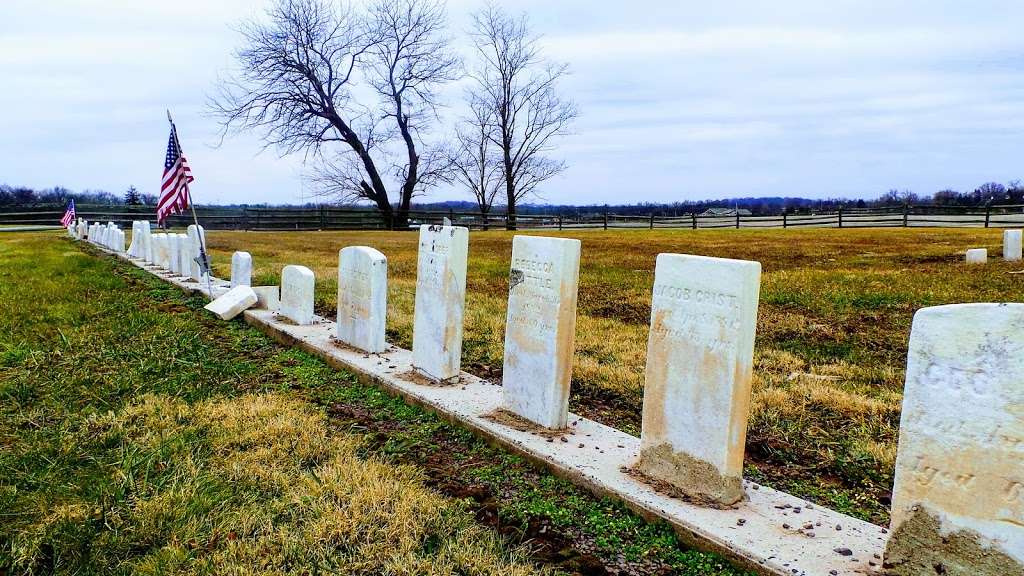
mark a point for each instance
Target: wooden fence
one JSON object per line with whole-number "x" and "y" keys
{"x": 331, "y": 218}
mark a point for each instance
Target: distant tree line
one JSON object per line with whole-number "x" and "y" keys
{"x": 59, "y": 195}
{"x": 992, "y": 193}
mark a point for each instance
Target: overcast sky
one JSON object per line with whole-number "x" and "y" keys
{"x": 678, "y": 99}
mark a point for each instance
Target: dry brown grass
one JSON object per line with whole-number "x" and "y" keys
{"x": 833, "y": 324}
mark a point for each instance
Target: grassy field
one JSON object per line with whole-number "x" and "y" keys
{"x": 138, "y": 435}
{"x": 833, "y": 325}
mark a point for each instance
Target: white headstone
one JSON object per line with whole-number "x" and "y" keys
{"x": 540, "y": 328}
{"x": 440, "y": 301}
{"x": 147, "y": 242}
{"x": 185, "y": 265}
{"x": 977, "y": 256}
{"x": 267, "y": 297}
{"x": 297, "y": 283}
{"x": 233, "y": 302}
{"x": 958, "y": 496}
{"x": 241, "y": 269}
{"x": 700, "y": 355}
{"x": 1011, "y": 245}
{"x": 362, "y": 297}
{"x": 196, "y": 238}
{"x": 174, "y": 253}
{"x": 133, "y": 245}
{"x": 119, "y": 242}
{"x": 160, "y": 250}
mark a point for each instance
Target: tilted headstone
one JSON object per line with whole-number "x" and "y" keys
{"x": 700, "y": 354}
{"x": 362, "y": 298}
{"x": 241, "y": 269}
{"x": 196, "y": 239}
{"x": 540, "y": 328}
{"x": 267, "y": 297}
{"x": 440, "y": 301}
{"x": 958, "y": 495}
{"x": 232, "y": 303}
{"x": 297, "y": 283}
{"x": 977, "y": 256}
{"x": 133, "y": 245}
{"x": 1011, "y": 245}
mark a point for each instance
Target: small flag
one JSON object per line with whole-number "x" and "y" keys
{"x": 174, "y": 195}
{"x": 69, "y": 215}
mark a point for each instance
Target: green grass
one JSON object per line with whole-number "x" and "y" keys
{"x": 139, "y": 435}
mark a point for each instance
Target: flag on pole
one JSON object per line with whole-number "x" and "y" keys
{"x": 174, "y": 196}
{"x": 69, "y": 215}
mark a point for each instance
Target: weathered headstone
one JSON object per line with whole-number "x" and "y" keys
{"x": 958, "y": 496}
{"x": 362, "y": 297}
{"x": 297, "y": 283}
{"x": 241, "y": 269}
{"x": 700, "y": 354}
{"x": 233, "y": 302}
{"x": 1011, "y": 245}
{"x": 540, "y": 328}
{"x": 196, "y": 238}
{"x": 440, "y": 301}
{"x": 977, "y": 256}
{"x": 147, "y": 242}
{"x": 267, "y": 297}
{"x": 160, "y": 250}
{"x": 119, "y": 241}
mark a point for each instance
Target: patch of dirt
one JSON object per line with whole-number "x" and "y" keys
{"x": 517, "y": 422}
{"x": 418, "y": 378}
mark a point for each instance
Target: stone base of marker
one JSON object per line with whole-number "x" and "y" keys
{"x": 977, "y": 256}
{"x": 267, "y": 297}
{"x": 919, "y": 546}
{"x": 693, "y": 479}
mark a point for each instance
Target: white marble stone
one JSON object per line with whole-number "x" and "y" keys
{"x": 241, "y": 269}
{"x": 960, "y": 460}
{"x": 196, "y": 240}
{"x": 297, "y": 283}
{"x": 233, "y": 302}
{"x": 119, "y": 241}
{"x": 268, "y": 297}
{"x": 174, "y": 253}
{"x": 700, "y": 354}
{"x": 1011, "y": 245}
{"x": 362, "y": 298}
{"x": 185, "y": 265}
{"x": 147, "y": 242}
{"x": 160, "y": 250}
{"x": 440, "y": 301}
{"x": 540, "y": 328}
{"x": 977, "y": 256}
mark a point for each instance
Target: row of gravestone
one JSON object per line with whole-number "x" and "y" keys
{"x": 1011, "y": 249}
{"x": 107, "y": 235}
{"x": 958, "y": 497}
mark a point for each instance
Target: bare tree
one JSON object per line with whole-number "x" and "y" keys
{"x": 520, "y": 89}
{"x": 474, "y": 159}
{"x": 297, "y": 81}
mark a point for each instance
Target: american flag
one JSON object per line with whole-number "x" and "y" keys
{"x": 69, "y": 215}
{"x": 174, "y": 196}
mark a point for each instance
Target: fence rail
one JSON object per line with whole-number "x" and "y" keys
{"x": 330, "y": 218}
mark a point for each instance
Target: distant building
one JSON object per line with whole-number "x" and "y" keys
{"x": 725, "y": 212}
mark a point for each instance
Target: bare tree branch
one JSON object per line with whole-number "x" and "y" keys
{"x": 519, "y": 90}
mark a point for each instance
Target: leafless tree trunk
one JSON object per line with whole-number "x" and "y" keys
{"x": 474, "y": 161}
{"x": 297, "y": 74}
{"x": 518, "y": 87}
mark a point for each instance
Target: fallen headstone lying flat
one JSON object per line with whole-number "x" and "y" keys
{"x": 233, "y": 302}
{"x": 977, "y": 256}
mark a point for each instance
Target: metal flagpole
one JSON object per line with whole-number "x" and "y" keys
{"x": 202, "y": 259}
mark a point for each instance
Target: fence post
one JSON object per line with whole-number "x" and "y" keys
{"x": 322, "y": 226}
{"x": 693, "y": 217}
{"x": 245, "y": 218}
{"x": 785, "y": 223}
{"x": 605, "y": 219}
{"x": 840, "y": 216}
{"x": 451, "y": 216}
{"x": 652, "y": 220}
{"x": 906, "y": 213}
{"x": 737, "y": 218}
{"x": 988, "y": 212}
{"x": 559, "y": 221}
